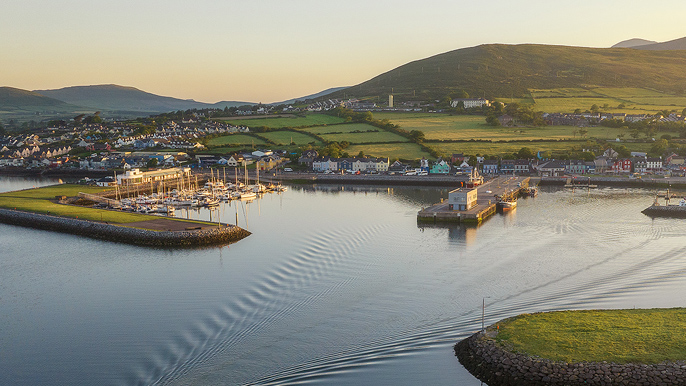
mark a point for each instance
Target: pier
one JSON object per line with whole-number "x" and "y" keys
{"x": 484, "y": 207}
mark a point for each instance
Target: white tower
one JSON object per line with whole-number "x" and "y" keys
{"x": 390, "y": 100}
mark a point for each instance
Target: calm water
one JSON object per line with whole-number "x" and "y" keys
{"x": 337, "y": 285}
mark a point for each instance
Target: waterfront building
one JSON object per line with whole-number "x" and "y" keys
{"x": 135, "y": 176}
{"x": 462, "y": 199}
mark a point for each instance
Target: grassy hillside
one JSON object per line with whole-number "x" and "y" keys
{"x": 17, "y": 98}
{"x": 498, "y": 70}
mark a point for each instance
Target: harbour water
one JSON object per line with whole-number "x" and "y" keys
{"x": 336, "y": 285}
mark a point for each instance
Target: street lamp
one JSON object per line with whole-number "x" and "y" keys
{"x": 483, "y": 314}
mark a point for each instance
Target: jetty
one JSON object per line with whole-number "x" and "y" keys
{"x": 473, "y": 205}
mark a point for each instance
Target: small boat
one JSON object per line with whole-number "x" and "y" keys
{"x": 248, "y": 195}
{"x": 507, "y": 205}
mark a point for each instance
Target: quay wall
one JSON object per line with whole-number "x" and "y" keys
{"x": 494, "y": 365}
{"x": 188, "y": 238}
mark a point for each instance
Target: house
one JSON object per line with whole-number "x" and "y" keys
{"x": 654, "y": 165}
{"x": 490, "y": 166}
{"x": 440, "y": 167}
{"x": 552, "y": 168}
{"x": 621, "y": 166}
{"x": 106, "y": 181}
{"x": 469, "y": 103}
{"x": 307, "y": 157}
{"x": 398, "y": 167}
{"x": 424, "y": 164}
{"x": 507, "y": 166}
{"x": 522, "y": 166}
{"x": 325, "y": 164}
{"x": 457, "y": 159}
{"x": 506, "y": 120}
{"x": 575, "y": 167}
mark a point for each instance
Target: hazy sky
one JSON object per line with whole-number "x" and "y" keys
{"x": 268, "y": 50}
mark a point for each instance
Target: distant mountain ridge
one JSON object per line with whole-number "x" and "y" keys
{"x": 122, "y": 98}
{"x": 311, "y": 96}
{"x": 676, "y": 44}
{"x": 633, "y": 43}
{"x": 500, "y": 70}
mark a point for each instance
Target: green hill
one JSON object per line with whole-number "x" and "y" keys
{"x": 499, "y": 70}
{"x": 14, "y": 98}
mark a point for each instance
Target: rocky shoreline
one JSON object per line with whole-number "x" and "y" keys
{"x": 494, "y": 365}
{"x": 163, "y": 239}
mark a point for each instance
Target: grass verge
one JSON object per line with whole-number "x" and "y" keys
{"x": 620, "y": 336}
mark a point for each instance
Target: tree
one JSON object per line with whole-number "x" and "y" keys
{"x": 417, "y": 136}
{"x": 360, "y": 154}
{"x": 492, "y": 120}
{"x": 594, "y": 108}
{"x": 659, "y": 146}
{"x": 546, "y": 154}
{"x": 152, "y": 162}
{"x": 525, "y": 153}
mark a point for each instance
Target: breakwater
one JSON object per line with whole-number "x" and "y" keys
{"x": 665, "y": 211}
{"x": 494, "y": 365}
{"x": 189, "y": 237}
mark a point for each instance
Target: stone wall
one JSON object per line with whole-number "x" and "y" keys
{"x": 188, "y": 238}
{"x": 495, "y": 366}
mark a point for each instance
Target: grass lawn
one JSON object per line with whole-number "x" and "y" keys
{"x": 285, "y": 137}
{"x": 345, "y": 128}
{"x": 235, "y": 139}
{"x": 620, "y": 336}
{"x": 358, "y": 138}
{"x": 280, "y": 122}
{"x": 37, "y": 201}
{"x": 406, "y": 151}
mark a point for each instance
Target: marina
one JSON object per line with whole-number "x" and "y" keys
{"x": 481, "y": 201}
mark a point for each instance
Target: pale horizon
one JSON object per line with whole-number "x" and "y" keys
{"x": 270, "y": 51}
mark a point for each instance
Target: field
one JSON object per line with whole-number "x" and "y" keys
{"x": 285, "y": 138}
{"x": 367, "y": 137}
{"x": 235, "y": 139}
{"x": 345, "y": 128}
{"x": 493, "y": 148}
{"x": 619, "y": 336}
{"x": 635, "y": 100}
{"x": 405, "y": 151}
{"x": 281, "y": 122}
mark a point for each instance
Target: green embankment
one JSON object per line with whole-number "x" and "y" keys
{"x": 41, "y": 200}
{"x": 619, "y": 336}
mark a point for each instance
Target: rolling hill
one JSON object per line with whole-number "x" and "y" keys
{"x": 120, "y": 98}
{"x": 676, "y": 44}
{"x": 499, "y": 70}
{"x": 633, "y": 43}
{"x": 16, "y": 98}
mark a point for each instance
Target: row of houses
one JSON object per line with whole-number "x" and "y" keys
{"x": 264, "y": 159}
{"x": 356, "y": 164}
{"x": 601, "y": 165}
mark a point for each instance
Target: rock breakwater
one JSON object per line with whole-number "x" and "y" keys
{"x": 492, "y": 364}
{"x": 103, "y": 231}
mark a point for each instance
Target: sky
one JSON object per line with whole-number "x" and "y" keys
{"x": 270, "y": 50}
